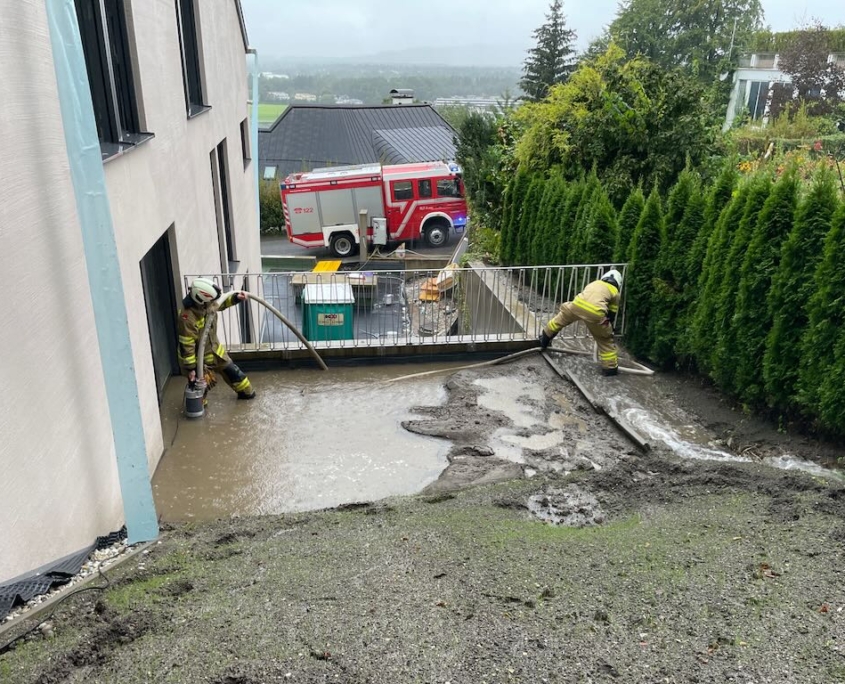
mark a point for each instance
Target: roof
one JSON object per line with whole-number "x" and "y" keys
{"x": 307, "y": 137}
{"x": 240, "y": 11}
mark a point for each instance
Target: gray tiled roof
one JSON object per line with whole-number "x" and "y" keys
{"x": 306, "y": 137}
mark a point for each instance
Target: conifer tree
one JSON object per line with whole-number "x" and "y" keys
{"x": 567, "y": 220}
{"x": 685, "y": 280}
{"x": 510, "y": 223}
{"x": 531, "y": 208}
{"x": 761, "y": 204}
{"x": 703, "y": 333}
{"x": 832, "y": 391}
{"x": 827, "y": 321}
{"x": 578, "y": 245}
{"x": 752, "y": 319}
{"x": 718, "y": 199}
{"x": 550, "y": 61}
{"x": 792, "y": 290}
{"x": 629, "y": 217}
{"x": 601, "y": 231}
{"x": 645, "y": 252}
{"x": 545, "y": 221}
{"x": 682, "y": 225}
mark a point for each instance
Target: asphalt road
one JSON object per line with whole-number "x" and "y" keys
{"x": 279, "y": 245}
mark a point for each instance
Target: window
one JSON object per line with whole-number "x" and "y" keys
{"x": 403, "y": 190}
{"x": 189, "y": 42}
{"x": 105, "y": 42}
{"x": 757, "y": 98}
{"x": 424, "y": 188}
{"x": 245, "y": 147}
{"x": 222, "y": 207}
{"x": 269, "y": 173}
{"x": 448, "y": 187}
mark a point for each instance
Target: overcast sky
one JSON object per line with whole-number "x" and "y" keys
{"x": 343, "y": 29}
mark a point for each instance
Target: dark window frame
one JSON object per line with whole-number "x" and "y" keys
{"x": 453, "y": 182}
{"x": 409, "y": 190}
{"x": 105, "y": 36}
{"x": 245, "y": 142}
{"x": 189, "y": 48}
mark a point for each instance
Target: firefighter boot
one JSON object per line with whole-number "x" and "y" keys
{"x": 610, "y": 371}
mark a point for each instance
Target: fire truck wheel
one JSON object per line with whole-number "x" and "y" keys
{"x": 342, "y": 245}
{"x": 436, "y": 235}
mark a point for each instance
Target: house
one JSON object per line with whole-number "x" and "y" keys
{"x": 315, "y": 136}
{"x": 753, "y": 82}
{"x": 402, "y": 96}
{"x": 164, "y": 122}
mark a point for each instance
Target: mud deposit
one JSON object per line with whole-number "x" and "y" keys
{"x": 575, "y": 559}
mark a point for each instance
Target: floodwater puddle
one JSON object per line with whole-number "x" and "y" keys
{"x": 310, "y": 440}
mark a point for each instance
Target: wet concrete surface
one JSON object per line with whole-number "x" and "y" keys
{"x": 310, "y": 440}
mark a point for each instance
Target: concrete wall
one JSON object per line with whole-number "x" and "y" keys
{"x": 487, "y": 313}
{"x": 58, "y": 478}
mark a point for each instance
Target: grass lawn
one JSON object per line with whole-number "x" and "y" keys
{"x": 268, "y": 113}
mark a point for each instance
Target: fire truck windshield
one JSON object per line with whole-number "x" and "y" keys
{"x": 449, "y": 187}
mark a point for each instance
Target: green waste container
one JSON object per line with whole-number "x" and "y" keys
{"x": 327, "y": 312}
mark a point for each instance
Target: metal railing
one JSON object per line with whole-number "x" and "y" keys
{"x": 403, "y": 307}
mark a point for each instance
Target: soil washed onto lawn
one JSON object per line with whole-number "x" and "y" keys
{"x": 549, "y": 550}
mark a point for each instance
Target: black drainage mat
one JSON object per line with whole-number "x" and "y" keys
{"x": 18, "y": 593}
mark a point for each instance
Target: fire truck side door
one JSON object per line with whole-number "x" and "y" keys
{"x": 401, "y": 194}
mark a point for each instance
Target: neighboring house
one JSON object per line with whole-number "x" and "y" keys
{"x": 309, "y": 137}
{"x": 753, "y": 82}
{"x": 170, "y": 110}
{"x": 402, "y": 96}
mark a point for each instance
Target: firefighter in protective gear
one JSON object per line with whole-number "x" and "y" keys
{"x": 204, "y": 298}
{"x": 597, "y": 306}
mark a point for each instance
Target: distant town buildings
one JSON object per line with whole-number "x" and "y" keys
{"x": 480, "y": 105}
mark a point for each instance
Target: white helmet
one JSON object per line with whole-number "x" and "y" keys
{"x": 204, "y": 291}
{"x": 613, "y": 277}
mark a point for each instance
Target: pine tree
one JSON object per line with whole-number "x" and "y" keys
{"x": 832, "y": 391}
{"x": 645, "y": 252}
{"x": 761, "y": 204}
{"x": 629, "y": 217}
{"x": 753, "y": 317}
{"x": 510, "y": 223}
{"x": 550, "y": 61}
{"x": 601, "y": 231}
{"x": 827, "y": 321}
{"x": 525, "y": 234}
{"x": 554, "y": 238}
{"x": 703, "y": 333}
{"x": 567, "y": 221}
{"x": 792, "y": 290}
{"x": 578, "y": 244}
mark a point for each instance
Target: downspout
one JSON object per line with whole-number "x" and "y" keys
{"x": 103, "y": 267}
{"x": 253, "y": 134}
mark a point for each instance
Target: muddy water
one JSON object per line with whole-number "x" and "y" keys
{"x": 309, "y": 440}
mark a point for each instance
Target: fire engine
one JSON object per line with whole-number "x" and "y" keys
{"x": 404, "y": 202}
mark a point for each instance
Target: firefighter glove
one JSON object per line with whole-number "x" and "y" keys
{"x": 544, "y": 340}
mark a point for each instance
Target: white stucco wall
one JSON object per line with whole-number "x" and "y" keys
{"x": 167, "y": 181}
{"x": 58, "y": 483}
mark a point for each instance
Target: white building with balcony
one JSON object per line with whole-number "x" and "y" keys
{"x": 168, "y": 81}
{"x": 753, "y": 81}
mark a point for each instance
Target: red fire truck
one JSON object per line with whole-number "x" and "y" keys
{"x": 404, "y": 202}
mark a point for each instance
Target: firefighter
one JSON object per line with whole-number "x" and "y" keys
{"x": 597, "y": 306}
{"x": 202, "y": 299}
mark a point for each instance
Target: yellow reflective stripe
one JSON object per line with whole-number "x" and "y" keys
{"x": 201, "y": 323}
{"x": 188, "y": 359}
{"x": 208, "y": 358}
{"x": 608, "y": 355}
{"x": 592, "y": 308}
{"x": 242, "y": 385}
{"x": 610, "y": 287}
{"x": 220, "y": 350}
{"x": 184, "y": 339}
{"x": 554, "y": 327}
{"x": 613, "y": 308}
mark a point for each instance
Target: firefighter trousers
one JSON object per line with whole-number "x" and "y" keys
{"x": 599, "y": 328}
{"x": 232, "y": 375}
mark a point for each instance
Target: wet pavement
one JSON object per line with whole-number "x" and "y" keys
{"x": 310, "y": 440}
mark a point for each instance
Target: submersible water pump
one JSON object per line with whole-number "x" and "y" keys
{"x": 194, "y": 399}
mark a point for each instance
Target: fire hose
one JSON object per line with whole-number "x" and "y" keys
{"x": 195, "y": 393}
